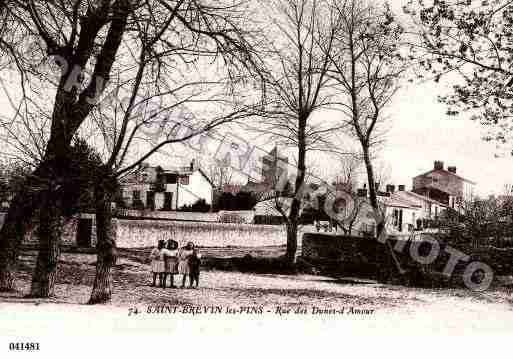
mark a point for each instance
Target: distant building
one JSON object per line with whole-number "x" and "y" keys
{"x": 409, "y": 211}
{"x": 273, "y": 167}
{"x": 444, "y": 185}
{"x": 157, "y": 188}
{"x": 232, "y": 188}
{"x": 405, "y": 211}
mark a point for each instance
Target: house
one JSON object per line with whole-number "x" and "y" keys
{"x": 274, "y": 167}
{"x": 444, "y": 185}
{"x": 266, "y": 212}
{"x": 157, "y": 188}
{"x": 412, "y": 211}
{"x": 405, "y": 211}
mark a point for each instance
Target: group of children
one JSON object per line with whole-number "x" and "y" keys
{"x": 168, "y": 260}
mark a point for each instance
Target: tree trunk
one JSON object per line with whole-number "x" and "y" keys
{"x": 373, "y": 196}
{"x": 11, "y": 235}
{"x": 13, "y": 231}
{"x": 50, "y": 230}
{"x": 295, "y": 208}
{"x": 106, "y": 248}
{"x": 290, "y": 254}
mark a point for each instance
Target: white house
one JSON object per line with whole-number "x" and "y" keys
{"x": 405, "y": 211}
{"x": 157, "y": 188}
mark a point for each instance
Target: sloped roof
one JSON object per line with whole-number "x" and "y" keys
{"x": 268, "y": 207}
{"x": 396, "y": 201}
{"x": 445, "y": 172}
{"x": 420, "y": 197}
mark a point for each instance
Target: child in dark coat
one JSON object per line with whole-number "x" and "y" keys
{"x": 195, "y": 262}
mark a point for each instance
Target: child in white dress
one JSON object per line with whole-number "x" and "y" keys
{"x": 157, "y": 263}
{"x": 171, "y": 260}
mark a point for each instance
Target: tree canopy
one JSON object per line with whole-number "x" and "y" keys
{"x": 472, "y": 42}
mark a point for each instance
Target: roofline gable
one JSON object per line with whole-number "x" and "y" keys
{"x": 445, "y": 172}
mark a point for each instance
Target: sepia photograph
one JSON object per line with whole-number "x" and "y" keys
{"x": 294, "y": 177}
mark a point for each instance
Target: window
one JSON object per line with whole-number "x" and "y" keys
{"x": 184, "y": 180}
{"x": 168, "y": 201}
{"x": 136, "y": 195}
{"x": 171, "y": 178}
{"x": 150, "y": 200}
{"x": 398, "y": 219}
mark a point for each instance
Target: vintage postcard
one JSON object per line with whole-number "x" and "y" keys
{"x": 273, "y": 177}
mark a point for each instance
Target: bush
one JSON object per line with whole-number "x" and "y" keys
{"x": 242, "y": 201}
{"x": 138, "y": 204}
{"x": 199, "y": 206}
{"x": 250, "y": 264}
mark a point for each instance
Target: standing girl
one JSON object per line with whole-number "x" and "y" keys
{"x": 171, "y": 261}
{"x": 157, "y": 263}
{"x": 184, "y": 262}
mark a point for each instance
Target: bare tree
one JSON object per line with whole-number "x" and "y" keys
{"x": 86, "y": 38}
{"x": 53, "y": 28}
{"x": 170, "y": 107}
{"x": 348, "y": 175}
{"x": 367, "y": 69}
{"x": 301, "y": 35}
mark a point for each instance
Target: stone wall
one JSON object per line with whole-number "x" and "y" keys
{"x": 131, "y": 233}
{"x": 146, "y": 233}
{"x": 221, "y": 216}
{"x": 69, "y": 235}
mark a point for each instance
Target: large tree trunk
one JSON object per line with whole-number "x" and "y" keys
{"x": 11, "y": 235}
{"x": 18, "y": 216}
{"x": 50, "y": 230}
{"x": 106, "y": 248}
{"x": 290, "y": 254}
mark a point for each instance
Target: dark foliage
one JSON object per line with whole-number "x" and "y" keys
{"x": 242, "y": 201}
{"x": 84, "y": 168}
{"x": 472, "y": 41}
{"x": 199, "y": 206}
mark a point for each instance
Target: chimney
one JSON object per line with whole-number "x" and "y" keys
{"x": 390, "y": 188}
{"x": 401, "y": 188}
{"x": 451, "y": 169}
{"x": 439, "y": 165}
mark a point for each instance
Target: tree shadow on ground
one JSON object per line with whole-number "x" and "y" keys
{"x": 344, "y": 281}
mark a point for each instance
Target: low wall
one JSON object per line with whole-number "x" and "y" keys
{"x": 181, "y": 216}
{"x": 221, "y": 216}
{"x": 145, "y": 233}
{"x": 69, "y": 234}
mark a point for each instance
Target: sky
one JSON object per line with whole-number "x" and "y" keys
{"x": 422, "y": 133}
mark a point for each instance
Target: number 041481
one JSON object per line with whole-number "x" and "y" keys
{"x": 24, "y": 346}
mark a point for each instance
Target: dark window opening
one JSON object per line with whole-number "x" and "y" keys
{"x": 184, "y": 180}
